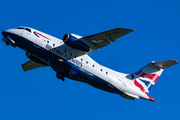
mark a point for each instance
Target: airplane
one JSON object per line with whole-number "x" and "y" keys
{"x": 68, "y": 58}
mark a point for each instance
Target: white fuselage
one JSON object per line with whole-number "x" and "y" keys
{"x": 118, "y": 82}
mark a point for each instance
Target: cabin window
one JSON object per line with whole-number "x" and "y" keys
{"x": 75, "y": 56}
{"x": 101, "y": 70}
{"x": 53, "y": 45}
{"x": 81, "y": 59}
{"x": 47, "y": 41}
{"x": 93, "y": 66}
{"x": 86, "y": 62}
{"x": 106, "y": 73}
{"x": 64, "y": 51}
{"x": 70, "y": 54}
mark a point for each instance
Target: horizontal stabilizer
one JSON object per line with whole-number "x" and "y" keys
{"x": 31, "y": 65}
{"x": 164, "y": 64}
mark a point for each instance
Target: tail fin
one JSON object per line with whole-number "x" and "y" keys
{"x": 146, "y": 77}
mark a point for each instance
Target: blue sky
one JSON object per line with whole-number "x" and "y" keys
{"x": 38, "y": 94}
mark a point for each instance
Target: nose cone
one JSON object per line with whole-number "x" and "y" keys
{"x": 4, "y": 33}
{"x": 10, "y": 33}
{"x": 10, "y": 37}
{"x": 7, "y": 32}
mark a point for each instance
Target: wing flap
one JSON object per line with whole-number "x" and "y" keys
{"x": 31, "y": 65}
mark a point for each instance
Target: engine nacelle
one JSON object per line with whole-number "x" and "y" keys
{"x": 75, "y": 43}
{"x": 35, "y": 59}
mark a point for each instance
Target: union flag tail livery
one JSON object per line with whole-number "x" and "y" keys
{"x": 68, "y": 58}
{"x": 146, "y": 77}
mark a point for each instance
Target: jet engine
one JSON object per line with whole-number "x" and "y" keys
{"x": 75, "y": 43}
{"x": 35, "y": 59}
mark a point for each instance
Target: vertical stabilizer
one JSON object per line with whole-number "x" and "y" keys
{"x": 146, "y": 77}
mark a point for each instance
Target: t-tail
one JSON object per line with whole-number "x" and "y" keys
{"x": 145, "y": 78}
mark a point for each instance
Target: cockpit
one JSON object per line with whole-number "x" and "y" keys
{"x": 28, "y": 29}
{"x": 24, "y": 28}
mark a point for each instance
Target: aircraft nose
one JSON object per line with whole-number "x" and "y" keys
{"x": 9, "y": 37}
{"x": 7, "y": 32}
{"x": 10, "y": 33}
{"x": 4, "y": 33}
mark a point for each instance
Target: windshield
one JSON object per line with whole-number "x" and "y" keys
{"x": 19, "y": 28}
{"x": 27, "y": 29}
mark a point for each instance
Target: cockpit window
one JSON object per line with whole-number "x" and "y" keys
{"x": 29, "y": 30}
{"x": 19, "y": 28}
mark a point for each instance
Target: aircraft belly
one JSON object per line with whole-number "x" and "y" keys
{"x": 95, "y": 81}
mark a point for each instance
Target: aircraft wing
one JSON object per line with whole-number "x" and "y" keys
{"x": 99, "y": 40}
{"x": 31, "y": 65}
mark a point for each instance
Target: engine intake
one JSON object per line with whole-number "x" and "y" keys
{"x": 75, "y": 43}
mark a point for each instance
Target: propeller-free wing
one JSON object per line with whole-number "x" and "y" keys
{"x": 99, "y": 40}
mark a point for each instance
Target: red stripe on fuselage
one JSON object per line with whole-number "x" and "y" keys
{"x": 42, "y": 35}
